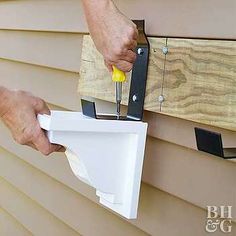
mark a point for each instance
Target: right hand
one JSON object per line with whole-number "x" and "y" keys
{"x": 114, "y": 35}
{"x": 18, "y": 110}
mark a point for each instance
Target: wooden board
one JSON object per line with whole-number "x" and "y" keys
{"x": 198, "y": 82}
{"x": 96, "y": 81}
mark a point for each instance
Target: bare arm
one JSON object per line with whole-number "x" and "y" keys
{"x": 114, "y": 35}
{"x": 18, "y": 110}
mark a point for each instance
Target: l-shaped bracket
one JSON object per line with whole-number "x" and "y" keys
{"x": 138, "y": 83}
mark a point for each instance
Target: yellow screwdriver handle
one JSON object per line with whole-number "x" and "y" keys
{"x": 118, "y": 75}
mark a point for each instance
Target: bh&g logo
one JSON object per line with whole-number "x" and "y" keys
{"x": 219, "y": 218}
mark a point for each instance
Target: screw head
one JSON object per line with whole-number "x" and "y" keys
{"x": 140, "y": 51}
{"x": 135, "y": 98}
{"x": 161, "y": 99}
{"x": 165, "y": 50}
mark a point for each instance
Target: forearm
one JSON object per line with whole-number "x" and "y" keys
{"x": 114, "y": 35}
{"x": 95, "y": 10}
{"x": 91, "y": 5}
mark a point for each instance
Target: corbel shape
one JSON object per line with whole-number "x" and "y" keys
{"x": 106, "y": 154}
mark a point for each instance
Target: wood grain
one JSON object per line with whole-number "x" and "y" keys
{"x": 198, "y": 83}
{"x": 95, "y": 80}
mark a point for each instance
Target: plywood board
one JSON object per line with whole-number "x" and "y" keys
{"x": 96, "y": 81}
{"x": 198, "y": 82}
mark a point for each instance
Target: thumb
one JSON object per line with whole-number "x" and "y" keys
{"x": 42, "y": 143}
{"x": 108, "y": 65}
{"x": 41, "y": 107}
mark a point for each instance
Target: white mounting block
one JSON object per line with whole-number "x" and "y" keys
{"x": 106, "y": 154}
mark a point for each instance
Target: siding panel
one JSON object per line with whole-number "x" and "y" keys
{"x": 182, "y": 18}
{"x": 47, "y": 15}
{"x": 37, "y": 220}
{"x": 10, "y": 226}
{"x": 55, "y": 50}
{"x": 180, "y": 131}
{"x": 201, "y": 179}
{"x": 76, "y": 211}
{"x": 55, "y": 86}
{"x": 43, "y": 57}
{"x": 158, "y": 213}
{"x": 168, "y": 167}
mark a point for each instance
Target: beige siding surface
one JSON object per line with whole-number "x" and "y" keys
{"x": 10, "y": 226}
{"x": 164, "y": 18}
{"x": 54, "y": 50}
{"x": 55, "y": 86}
{"x": 40, "y": 49}
{"x": 37, "y": 220}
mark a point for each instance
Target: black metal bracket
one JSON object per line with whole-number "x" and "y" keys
{"x": 137, "y": 86}
{"x": 211, "y": 142}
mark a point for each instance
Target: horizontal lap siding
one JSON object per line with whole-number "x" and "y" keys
{"x": 55, "y": 50}
{"x": 196, "y": 177}
{"x": 39, "y": 54}
{"x": 55, "y": 86}
{"x": 164, "y": 18}
{"x": 71, "y": 208}
{"x": 32, "y": 216}
{"x": 47, "y": 15}
{"x": 10, "y": 226}
{"x": 159, "y": 213}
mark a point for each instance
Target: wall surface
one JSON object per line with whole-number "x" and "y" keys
{"x": 40, "y": 49}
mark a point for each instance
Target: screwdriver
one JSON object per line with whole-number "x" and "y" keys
{"x": 118, "y": 77}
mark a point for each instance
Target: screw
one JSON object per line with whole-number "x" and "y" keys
{"x": 135, "y": 98}
{"x": 165, "y": 50}
{"x": 161, "y": 99}
{"x": 140, "y": 51}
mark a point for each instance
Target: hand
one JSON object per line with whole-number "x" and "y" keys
{"x": 114, "y": 35}
{"x": 18, "y": 110}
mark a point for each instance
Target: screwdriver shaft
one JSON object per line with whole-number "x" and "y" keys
{"x": 118, "y": 97}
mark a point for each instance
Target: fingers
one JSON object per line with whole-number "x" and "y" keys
{"x": 41, "y": 142}
{"x": 52, "y": 148}
{"x": 129, "y": 56}
{"x": 43, "y": 145}
{"x": 58, "y": 148}
{"x": 41, "y": 107}
{"x": 134, "y": 32}
{"x": 31, "y": 145}
{"x": 123, "y": 55}
{"x": 21, "y": 119}
{"x": 124, "y": 66}
{"x": 131, "y": 44}
{"x": 108, "y": 65}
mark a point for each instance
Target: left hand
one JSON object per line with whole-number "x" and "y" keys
{"x": 18, "y": 110}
